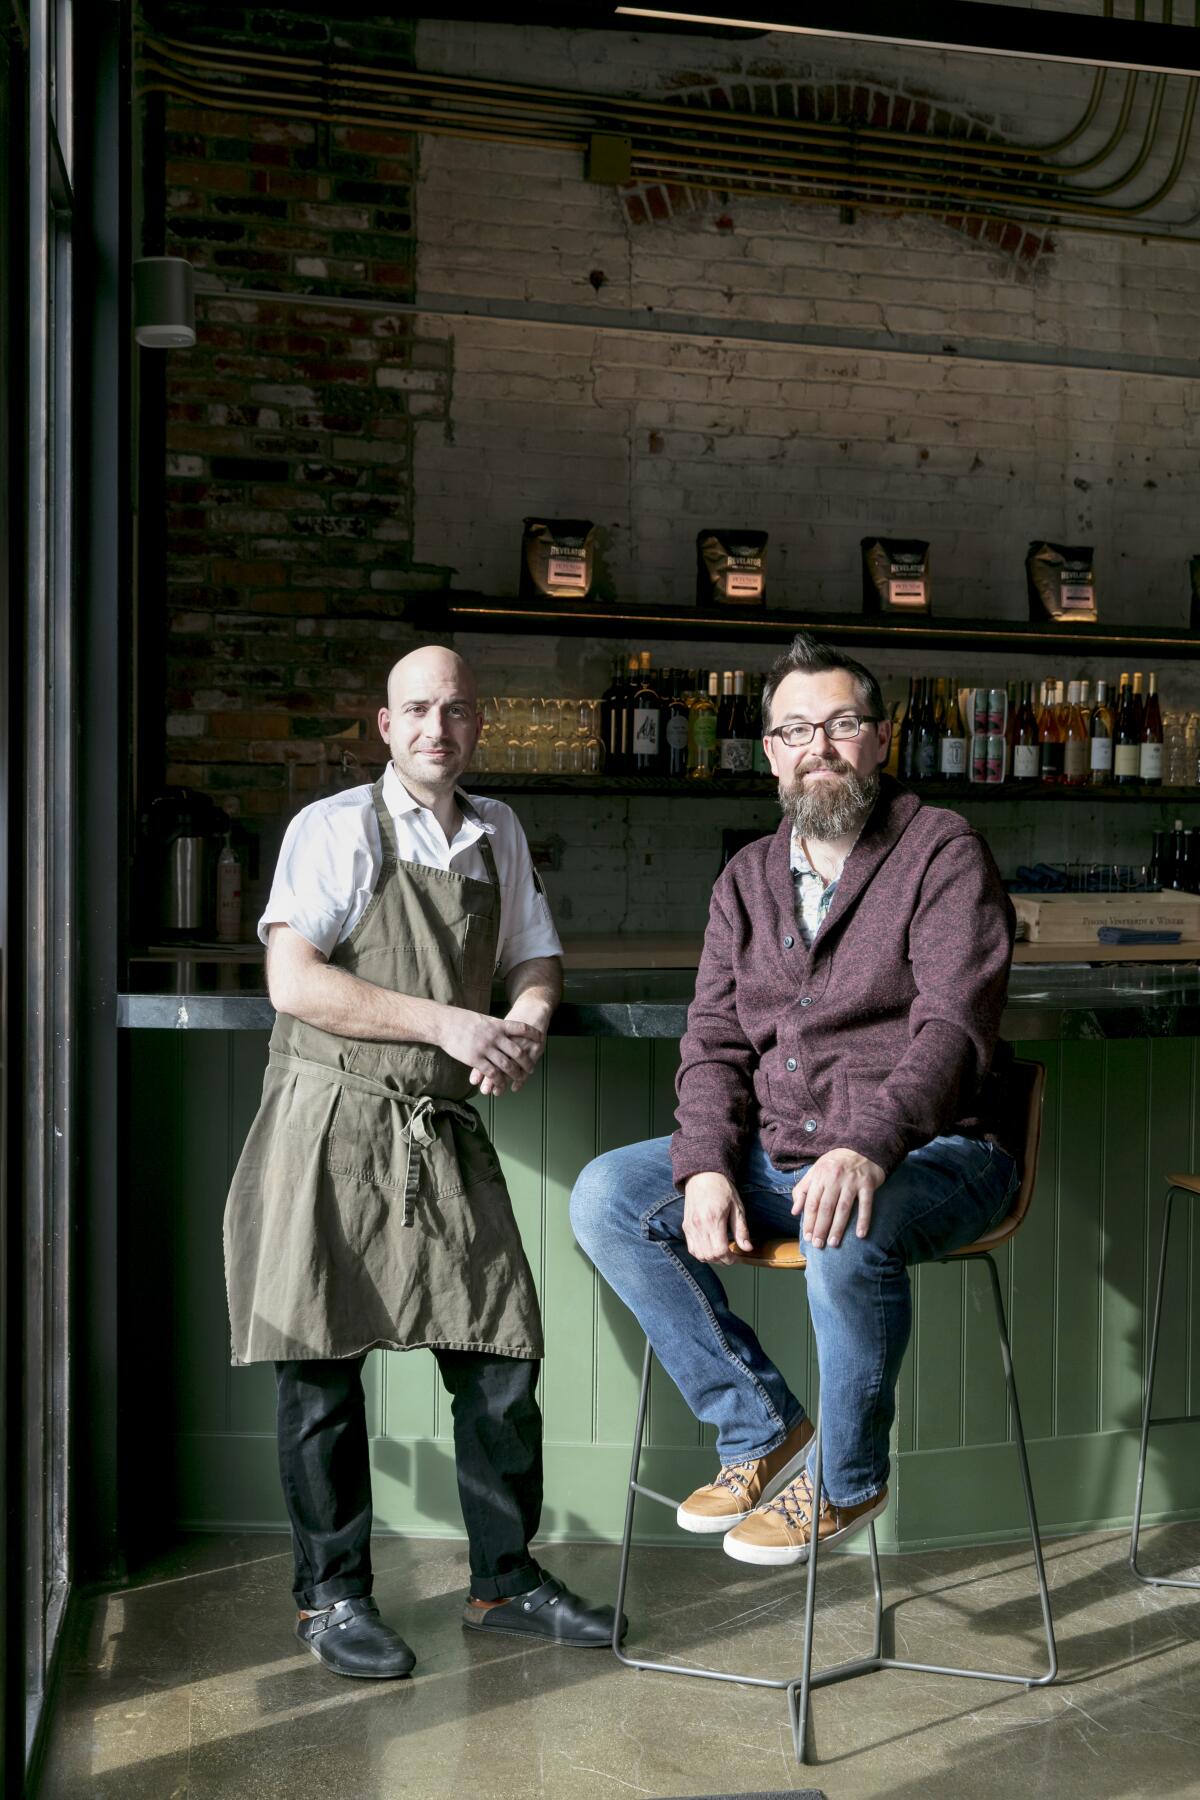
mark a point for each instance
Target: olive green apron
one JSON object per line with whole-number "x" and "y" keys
{"x": 368, "y": 1207}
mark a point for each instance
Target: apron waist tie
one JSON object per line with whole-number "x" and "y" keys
{"x": 416, "y": 1127}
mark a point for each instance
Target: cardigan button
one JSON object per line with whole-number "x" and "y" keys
{"x": 790, "y": 1065}
{"x": 788, "y": 942}
{"x": 807, "y": 1000}
{"x": 810, "y": 1124}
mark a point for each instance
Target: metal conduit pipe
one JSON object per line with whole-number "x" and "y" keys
{"x": 692, "y": 144}
{"x": 553, "y": 105}
{"x": 948, "y": 198}
{"x": 900, "y": 150}
{"x": 617, "y": 115}
{"x": 681, "y": 166}
{"x": 588, "y": 111}
{"x": 939, "y": 209}
{"x": 681, "y": 162}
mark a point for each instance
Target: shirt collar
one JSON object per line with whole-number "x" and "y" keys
{"x": 398, "y": 801}
{"x": 799, "y": 861}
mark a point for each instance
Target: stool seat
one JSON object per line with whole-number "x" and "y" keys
{"x": 785, "y": 1252}
{"x": 774, "y": 1253}
{"x": 1025, "y": 1097}
{"x": 1189, "y": 1183}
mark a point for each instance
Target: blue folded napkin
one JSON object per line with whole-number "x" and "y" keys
{"x": 1124, "y": 934}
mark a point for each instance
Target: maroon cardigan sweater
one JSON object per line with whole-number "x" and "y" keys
{"x": 877, "y": 1039}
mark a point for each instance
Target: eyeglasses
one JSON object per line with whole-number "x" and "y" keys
{"x": 800, "y": 732}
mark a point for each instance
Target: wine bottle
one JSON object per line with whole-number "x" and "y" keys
{"x": 1150, "y": 745}
{"x": 1050, "y": 743}
{"x": 1075, "y": 743}
{"x": 1138, "y": 704}
{"x": 1025, "y": 749}
{"x": 702, "y": 733}
{"x": 925, "y": 750}
{"x": 724, "y": 724}
{"x": 908, "y": 740}
{"x": 1191, "y": 862}
{"x": 611, "y": 702}
{"x": 1101, "y": 739}
{"x": 1061, "y": 708}
{"x": 1126, "y": 750}
{"x": 676, "y": 730}
{"x": 1179, "y": 870}
{"x": 647, "y": 721}
{"x": 758, "y": 756}
{"x": 952, "y": 741}
{"x": 901, "y": 721}
{"x": 1155, "y": 867}
{"x": 736, "y": 747}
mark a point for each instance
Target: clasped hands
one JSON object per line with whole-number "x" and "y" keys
{"x": 500, "y": 1053}
{"x": 714, "y": 1218}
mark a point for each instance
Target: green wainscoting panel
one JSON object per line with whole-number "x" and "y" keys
{"x": 1077, "y": 1280}
{"x": 1032, "y": 1319}
{"x": 569, "y": 1310}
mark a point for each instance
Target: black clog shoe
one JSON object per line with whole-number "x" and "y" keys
{"x": 550, "y": 1613}
{"x": 351, "y": 1639}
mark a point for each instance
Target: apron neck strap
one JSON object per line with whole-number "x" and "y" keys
{"x": 489, "y": 861}
{"x": 387, "y": 830}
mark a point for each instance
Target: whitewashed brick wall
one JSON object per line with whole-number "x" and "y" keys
{"x": 654, "y": 434}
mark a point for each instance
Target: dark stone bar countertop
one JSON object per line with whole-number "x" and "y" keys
{"x": 1047, "y": 1000}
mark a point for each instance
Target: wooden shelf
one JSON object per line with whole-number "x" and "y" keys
{"x": 764, "y": 787}
{"x": 448, "y": 610}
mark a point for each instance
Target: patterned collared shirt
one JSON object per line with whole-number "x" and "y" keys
{"x": 813, "y": 896}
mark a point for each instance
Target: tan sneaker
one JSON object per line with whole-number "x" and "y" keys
{"x": 780, "y": 1531}
{"x": 741, "y": 1487}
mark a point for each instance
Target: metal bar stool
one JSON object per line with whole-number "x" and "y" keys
{"x": 1189, "y": 1187}
{"x": 1026, "y": 1085}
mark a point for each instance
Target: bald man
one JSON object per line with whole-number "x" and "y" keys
{"x": 368, "y": 1209}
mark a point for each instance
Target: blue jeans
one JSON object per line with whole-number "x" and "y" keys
{"x": 628, "y": 1216}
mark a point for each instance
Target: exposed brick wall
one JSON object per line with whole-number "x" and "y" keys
{"x": 288, "y": 515}
{"x": 843, "y": 103}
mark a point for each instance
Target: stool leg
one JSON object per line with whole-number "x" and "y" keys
{"x": 892, "y": 1662}
{"x": 636, "y": 1488}
{"x": 800, "y": 1715}
{"x": 639, "y": 1433}
{"x": 1144, "y": 1446}
{"x": 800, "y": 1690}
{"x": 1026, "y": 1482}
{"x": 1147, "y": 1417}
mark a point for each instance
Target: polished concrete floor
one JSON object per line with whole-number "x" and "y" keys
{"x": 188, "y": 1683}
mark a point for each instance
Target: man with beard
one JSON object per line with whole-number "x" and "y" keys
{"x": 837, "y": 1069}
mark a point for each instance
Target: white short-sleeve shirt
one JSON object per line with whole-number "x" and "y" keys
{"x": 331, "y": 856}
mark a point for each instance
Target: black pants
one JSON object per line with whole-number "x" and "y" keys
{"x": 324, "y": 1464}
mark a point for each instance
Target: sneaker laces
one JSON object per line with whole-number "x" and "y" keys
{"x": 795, "y": 1503}
{"x": 737, "y": 1479}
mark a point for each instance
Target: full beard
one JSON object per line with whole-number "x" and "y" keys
{"x": 829, "y": 809}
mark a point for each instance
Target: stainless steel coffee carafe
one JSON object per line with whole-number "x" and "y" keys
{"x": 186, "y": 883}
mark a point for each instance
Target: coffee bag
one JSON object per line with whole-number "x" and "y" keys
{"x": 896, "y": 575}
{"x": 1061, "y": 582}
{"x": 557, "y": 559}
{"x": 731, "y": 568}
